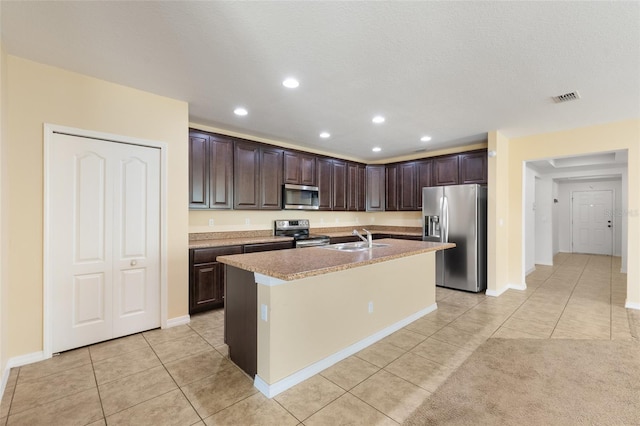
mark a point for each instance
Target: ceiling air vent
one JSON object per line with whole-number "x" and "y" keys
{"x": 571, "y": 96}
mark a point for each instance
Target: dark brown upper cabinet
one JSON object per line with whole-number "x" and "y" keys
{"x": 339, "y": 185}
{"x": 445, "y": 170}
{"x": 258, "y": 176}
{"x": 356, "y": 187}
{"x": 210, "y": 171}
{"x": 391, "y": 187}
{"x": 425, "y": 171}
{"x": 324, "y": 179}
{"x": 375, "y": 178}
{"x": 473, "y": 167}
{"x": 299, "y": 168}
{"x": 407, "y": 186}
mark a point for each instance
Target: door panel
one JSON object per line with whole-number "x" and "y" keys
{"x": 105, "y": 229}
{"x": 592, "y": 223}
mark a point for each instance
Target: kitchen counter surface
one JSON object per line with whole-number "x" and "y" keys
{"x": 221, "y": 242}
{"x": 294, "y": 264}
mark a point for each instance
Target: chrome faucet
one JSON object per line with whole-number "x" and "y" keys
{"x": 368, "y": 239}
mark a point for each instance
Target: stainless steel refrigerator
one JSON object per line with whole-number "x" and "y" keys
{"x": 458, "y": 214}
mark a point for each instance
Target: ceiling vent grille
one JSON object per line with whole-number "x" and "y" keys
{"x": 571, "y": 96}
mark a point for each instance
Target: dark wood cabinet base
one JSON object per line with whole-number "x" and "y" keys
{"x": 241, "y": 319}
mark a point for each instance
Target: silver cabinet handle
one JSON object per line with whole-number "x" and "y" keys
{"x": 134, "y": 263}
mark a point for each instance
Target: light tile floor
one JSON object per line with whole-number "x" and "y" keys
{"x": 181, "y": 376}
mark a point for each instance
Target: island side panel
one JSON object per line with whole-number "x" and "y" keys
{"x": 240, "y": 318}
{"x": 312, "y": 318}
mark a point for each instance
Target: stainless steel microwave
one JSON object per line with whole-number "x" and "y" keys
{"x": 300, "y": 197}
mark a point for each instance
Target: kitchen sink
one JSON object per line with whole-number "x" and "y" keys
{"x": 357, "y": 246}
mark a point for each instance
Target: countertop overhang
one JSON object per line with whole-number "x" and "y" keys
{"x": 294, "y": 264}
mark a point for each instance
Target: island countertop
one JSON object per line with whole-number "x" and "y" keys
{"x": 294, "y": 264}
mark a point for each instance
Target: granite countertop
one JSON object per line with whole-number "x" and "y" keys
{"x": 294, "y": 264}
{"x": 221, "y": 242}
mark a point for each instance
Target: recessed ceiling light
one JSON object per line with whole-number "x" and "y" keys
{"x": 240, "y": 111}
{"x": 425, "y": 138}
{"x": 376, "y": 149}
{"x": 378, "y": 119}
{"x": 291, "y": 83}
{"x": 325, "y": 135}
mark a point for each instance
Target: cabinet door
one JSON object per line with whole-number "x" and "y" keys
{"x": 206, "y": 277}
{"x": 246, "y": 161}
{"x": 361, "y": 188}
{"x": 207, "y": 289}
{"x": 258, "y": 247}
{"x": 270, "y": 178}
{"x": 445, "y": 170}
{"x": 198, "y": 171}
{"x": 352, "y": 186}
{"x": 292, "y": 167}
{"x": 424, "y": 169}
{"x": 391, "y": 187}
{"x": 325, "y": 182}
{"x": 339, "y": 185}
{"x": 407, "y": 186}
{"x": 220, "y": 173}
{"x": 307, "y": 169}
{"x": 375, "y": 188}
{"x": 473, "y": 167}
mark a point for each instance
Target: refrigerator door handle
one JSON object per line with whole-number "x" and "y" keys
{"x": 445, "y": 215}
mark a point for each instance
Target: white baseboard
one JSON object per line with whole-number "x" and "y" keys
{"x": 497, "y": 293}
{"x": 19, "y": 361}
{"x": 173, "y": 322}
{"x": 299, "y": 376}
{"x": 530, "y": 270}
{"x": 632, "y": 305}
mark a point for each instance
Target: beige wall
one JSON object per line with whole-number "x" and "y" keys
{"x": 3, "y": 216}
{"x": 39, "y": 94}
{"x": 333, "y": 309}
{"x": 240, "y": 220}
{"x": 506, "y": 176}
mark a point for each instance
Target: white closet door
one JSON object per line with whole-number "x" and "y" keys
{"x": 592, "y": 222}
{"x": 104, "y": 212}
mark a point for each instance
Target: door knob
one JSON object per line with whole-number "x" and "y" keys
{"x": 134, "y": 263}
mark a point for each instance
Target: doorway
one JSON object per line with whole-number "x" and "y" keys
{"x": 104, "y": 276}
{"x": 592, "y": 222}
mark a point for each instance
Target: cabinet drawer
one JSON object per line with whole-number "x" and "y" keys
{"x": 206, "y": 255}
{"x": 254, "y": 248}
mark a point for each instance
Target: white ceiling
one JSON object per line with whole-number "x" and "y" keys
{"x": 451, "y": 70}
{"x": 585, "y": 166}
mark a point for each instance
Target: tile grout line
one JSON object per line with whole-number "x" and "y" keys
{"x": 570, "y": 296}
{"x": 95, "y": 378}
{"x": 15, "y": 386}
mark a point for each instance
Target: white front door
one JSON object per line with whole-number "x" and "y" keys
{"x": 105, "y": 233}
{"x": 592, "y": 222}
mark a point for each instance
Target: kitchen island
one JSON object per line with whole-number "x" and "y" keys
{"x": 292, "y": 313}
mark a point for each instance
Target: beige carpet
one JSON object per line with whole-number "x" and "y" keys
{"x": 540, "y": 382}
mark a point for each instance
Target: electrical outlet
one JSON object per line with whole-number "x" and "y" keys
{"x": 263, "y": 312}
{"x": 210, "y": 222}
{"x": 247, "y": 221}
{"x": 370, "y": 307}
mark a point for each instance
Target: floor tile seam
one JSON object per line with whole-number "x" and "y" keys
{"x": 227, "y": 366}
{"x": 319, "y": 409}
{"x": 93, "y": 363}
{"x": 95, "y": 378}
{"x": 451, "y": 371}
{"x": 570, "y": 296}
{"x": 427, "y": 358}
{"x": 139, "y": 403}
{"x": 525, "y": 332}
{"x": 27, "y": 380}
{"x": 15, "y": 385}
{"x": 361, "y": 381}
{"x": 449, "y": 343}
{"x": 362, "y": 400}
{"x": 39, "y": 405}
{"x": 127, "y": 375}
{"x": 169, "y": 361}
{"x": 184, "y": 395}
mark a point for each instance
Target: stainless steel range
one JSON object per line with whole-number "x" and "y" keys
{"x": 299, "y": 230}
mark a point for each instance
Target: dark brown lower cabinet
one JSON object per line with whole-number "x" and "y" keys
{"x": 241, "y": 319}
{"x": 206, "y": 277}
